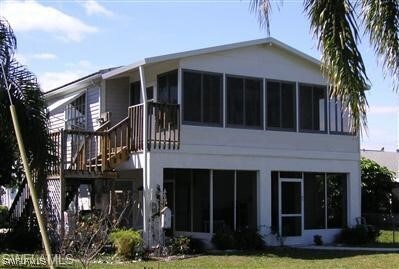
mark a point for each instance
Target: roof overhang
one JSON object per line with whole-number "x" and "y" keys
{"x": 64, "y": 101}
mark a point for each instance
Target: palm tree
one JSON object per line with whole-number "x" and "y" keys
{"x": 336, "y": 24}
{"x": 32, "y": 114}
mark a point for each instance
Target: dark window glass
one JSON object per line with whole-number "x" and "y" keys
{"x": 273, "y": 104}
{"x": 312, "y": 108}
{"x": 201, "y": 198}
{"x": 319, "y": 108}
{"x": 183, "y": 200}
{"x": 202, "y": 97}
{"x": 150, "y": 93}
{"x": 223, "y": 200}
{"x": 314, "y": 202}
{"x": 253, "y": 102}
{"x": 290, "y": 174}
{"x": 135, "y": 93}
{"x": 212, "y": 98}
{"x": 244, "y": 102}
{"x": 291, "y": 226}
{"x": 288, "y": 105}
{"x": 192, "y": 96}
{"x": 275, "y": 210}
{"x": 281, "y": 105}
{"x": 235, "y": 101}
{"x": 167, "y": 88}
{"x": 246, "y": 210}
{"x": 336, "y": 201}
{"x": 291, "y": 198}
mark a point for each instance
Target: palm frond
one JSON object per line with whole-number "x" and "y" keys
{"x": 263, "y": 9}
{"x": 334, "y": 26}
{"x": 381, "y": 19}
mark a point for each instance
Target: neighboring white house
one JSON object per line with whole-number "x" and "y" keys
{"x": 7, "y": 196}
{"x": 239, "y": 135}
{"x": 389, "y": 159}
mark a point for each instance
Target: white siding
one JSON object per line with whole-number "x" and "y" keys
{"x": 57, "y": 117}
{"x": 93, "y": 107}
{"x": 117, "y": 98}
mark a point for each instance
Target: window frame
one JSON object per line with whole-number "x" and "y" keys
{"x": 326, "y": 118}
{"x": 296, "y": 123}
{"x": 262, "y": 104}
{"x": 202, "y": 123}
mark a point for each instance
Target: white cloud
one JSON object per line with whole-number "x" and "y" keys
{"x": 44, "y": 56}
{"x": 92, "y": 7}
{"x": 73, "y": 71}
{"x": 378, "y": 110}
{"x": 33, "y": 16}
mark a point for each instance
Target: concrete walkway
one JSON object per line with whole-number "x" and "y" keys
{"x": 373, "y": 249}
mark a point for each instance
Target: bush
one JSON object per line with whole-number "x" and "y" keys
{"x": 128, "y": 243}
{"x": 196, "y": 245}
{"x": 3, "y": 216}
{"x": 180, "y": 245}
{"x": 245, "y": 239}
{"x": 318, "y": 240}
{"x": 360, "y": 234}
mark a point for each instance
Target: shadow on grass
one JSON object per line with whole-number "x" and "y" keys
{"x": 297, "y": 253}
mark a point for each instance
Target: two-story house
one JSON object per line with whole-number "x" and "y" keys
{"x": 239, "y": 135}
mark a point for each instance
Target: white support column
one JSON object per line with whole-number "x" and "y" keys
{"x": 264, "y": 200}
{"x": 264, "y": 101}
{"x": 146, "y": 176}
{"x": 211, "y": 202}
{"x": 297, "y": 105}
{"x": 224, "y": 106}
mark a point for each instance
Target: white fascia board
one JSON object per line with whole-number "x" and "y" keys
{"x": 64, "y": 101}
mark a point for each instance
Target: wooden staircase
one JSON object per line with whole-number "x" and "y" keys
{"x": 82, "y": 154}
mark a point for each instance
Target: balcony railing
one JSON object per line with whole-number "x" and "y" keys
{"x": 99, "y": 151}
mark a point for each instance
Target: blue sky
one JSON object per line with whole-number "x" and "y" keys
{"x": 64, "y": 40}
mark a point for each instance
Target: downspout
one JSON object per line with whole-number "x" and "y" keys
{"x": 146, "y": 183}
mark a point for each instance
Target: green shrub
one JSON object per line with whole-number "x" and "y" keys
{"x": 224, "y": 239}
{"x": 128, "y": 243}
{"x": 245, "y": 239}
{"x": 360, "y": 234}
{"x": 3, "y": 216}
{"x": 248, "y": 239}
{"x": 180, "y": 245}
{"x": 197, "y": 245}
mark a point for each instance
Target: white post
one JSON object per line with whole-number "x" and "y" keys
{"x": 146, "y": 180}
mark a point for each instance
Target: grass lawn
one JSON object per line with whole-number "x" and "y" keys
{"x": 273, "y": 258}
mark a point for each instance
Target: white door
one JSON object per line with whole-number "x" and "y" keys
{"x": 290, "y": 207}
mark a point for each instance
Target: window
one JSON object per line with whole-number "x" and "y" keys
{"x": 135, "y": 93}
{"x": 281, "y": 105}
{"x": 202, "y": 97}
{"x": 339, "y": 117}
{"x": 246, "y": 200}
{"x": 244, "y": 102}
{"x": 336, "y": 200}
{"x": 167, "y": 87}
{"x": 325, "y": 200}
{"x": 314, "y": 201}
{"x": 312, "y": 107}
{"x": 234, "y": 199}
{"x": 76, "y": 113}
{"x": 223, "y": 200}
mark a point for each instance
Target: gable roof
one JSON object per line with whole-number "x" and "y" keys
{"x": 175, "y": 56}
{"x": 113, "y": 72}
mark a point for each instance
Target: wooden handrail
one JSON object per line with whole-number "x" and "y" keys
{"x": 97, "y": 150}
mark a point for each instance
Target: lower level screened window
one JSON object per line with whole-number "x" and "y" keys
{"x": 233, "y": 194}
{"x": 325, "y": 200}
